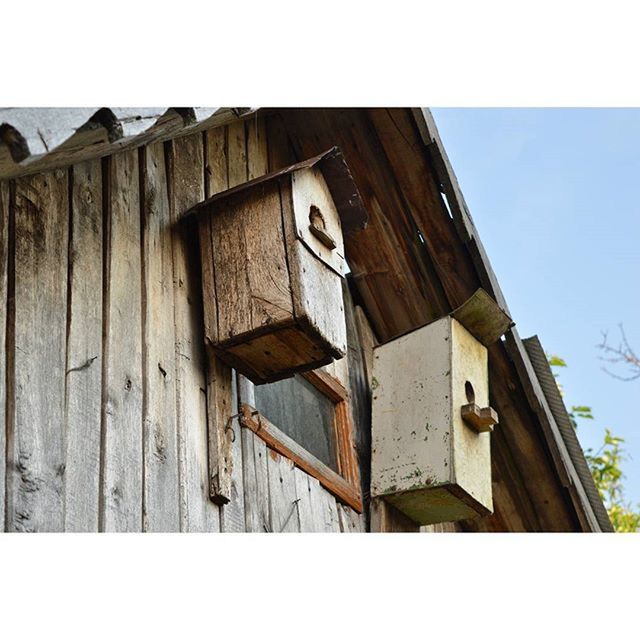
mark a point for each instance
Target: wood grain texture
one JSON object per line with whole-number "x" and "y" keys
{"x": 350, "y": 521}
{"x": 254, "y": 450}
{"x": 186, "y": 174}
{"x": 328, "y": 512}
{"x": 250, "y": 264}
{"x": 219, "y": 401}
{"x": 283, "y": 499}
{"x": 83, "y": 404}
{"x": 232, "y": 514}
{"x": 4, "y": 303}
{"x": 254, "y": 469}
{"x": 256, "y": 488}
{"x": 36, "y": 451}
{"x": 315, "y": 289}
{"x": 161, "y": 474}
{"x": 123, "y": 473}
{"x": 305, "y": 503}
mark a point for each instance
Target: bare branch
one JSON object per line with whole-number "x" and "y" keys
{"x": 622, "y": 355}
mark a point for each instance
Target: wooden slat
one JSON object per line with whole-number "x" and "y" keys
{"x": 252, "y": 516}
{"x": 84, "y": 351}
{"x": 248, "y": 250}
{"x": 305, "y": 504}
{"x": 350, "y": 521}
{"x": 329, "y": 511}
{"x": 232, "y": 514}
{"x": 36, "y": 451}
{"x": 219, "y": 402}
{"x": 256, "y": 489}
{"x": 286, "y": 446}
{"x": 283, "y": 500}
{"x": 4, "y": 303}
{"x": 161, "y": 476}
{"x": 254, "y": 450}
{"x": 186, "y": 188}
{"x": 122, "y": 488}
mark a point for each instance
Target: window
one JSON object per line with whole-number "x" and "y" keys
{"x": 304, "y": 413}
{"x": 307, "y": 419}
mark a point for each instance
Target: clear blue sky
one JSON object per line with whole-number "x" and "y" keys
{"x": 555, "y": 195}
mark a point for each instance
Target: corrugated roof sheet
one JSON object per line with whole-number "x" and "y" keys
{"x": 35, "y": 139}
{"x": 549, "y": 386}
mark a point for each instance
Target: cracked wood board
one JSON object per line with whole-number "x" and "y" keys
{"x": 122, "y": 477}
{"x": 36, "y": 455}
{"x": 84, "y": 350}
{"x": 161, "y": 474}
{"x": 186, "y": 187}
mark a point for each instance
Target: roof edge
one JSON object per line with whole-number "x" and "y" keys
{"x": 34, "y": 140}
{"x": 547, "y": 381}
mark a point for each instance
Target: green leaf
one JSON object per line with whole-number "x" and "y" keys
{"x": 556, "y": 361}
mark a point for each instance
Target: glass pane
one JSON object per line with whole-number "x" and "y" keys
{"x": 305, "y": 414}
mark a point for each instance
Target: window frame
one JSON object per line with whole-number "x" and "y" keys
{"x": 345, "y": 484}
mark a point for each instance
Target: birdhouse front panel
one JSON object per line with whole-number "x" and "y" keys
{"x": 427, "y": 460}
{"x": 272, "y": 255}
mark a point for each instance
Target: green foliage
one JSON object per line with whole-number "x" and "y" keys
{"x": 606, "y": 469}
{"x": 556, "y": 361}
{"x": 607, "y": 473}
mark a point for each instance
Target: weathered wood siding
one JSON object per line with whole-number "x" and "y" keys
{"x": 103, "y": 374}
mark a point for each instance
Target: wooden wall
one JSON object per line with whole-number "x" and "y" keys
{"x": 103, "y": 410}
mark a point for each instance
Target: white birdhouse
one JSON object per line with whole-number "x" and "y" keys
{"x": 431, "y": 420}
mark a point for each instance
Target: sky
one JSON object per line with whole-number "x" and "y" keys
{"x": 555, "y": 196}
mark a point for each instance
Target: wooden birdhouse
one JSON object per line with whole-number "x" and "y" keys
{"x": 431, "y": 419}
{"x": 273, "y": 257}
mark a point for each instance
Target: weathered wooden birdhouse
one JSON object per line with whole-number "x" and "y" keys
{"x": 431, "y": 416}
{"x": 273, "y": 258}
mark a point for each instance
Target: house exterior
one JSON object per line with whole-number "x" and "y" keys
{"x": 124, "y": 406}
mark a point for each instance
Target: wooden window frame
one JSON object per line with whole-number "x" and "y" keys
{"x": 345, "y": 484}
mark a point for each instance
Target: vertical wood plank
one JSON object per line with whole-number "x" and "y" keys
{"x": 331, "y": 521}
{"x": 305, "y": 505}
{"x": 4, "y": 302}
{"x": 254, "y": 468}
{"x": 257, "y": 155}
{"x": 37, "y": 448}
{"x": 325, "y": 510}
{"x": 350, "y": 521}
{"x": 187, "y": 170}
{"x": 218, "y": 375}
{"x": 161, "y": 478}
{"x": 261, "y": 522}
{"x": 122, "y": 486}
{"x": 233, "y": 513}
{"x": 254, "y": 450}
{"x": 283, "y": 500}
{"x": 83, "y": 405}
